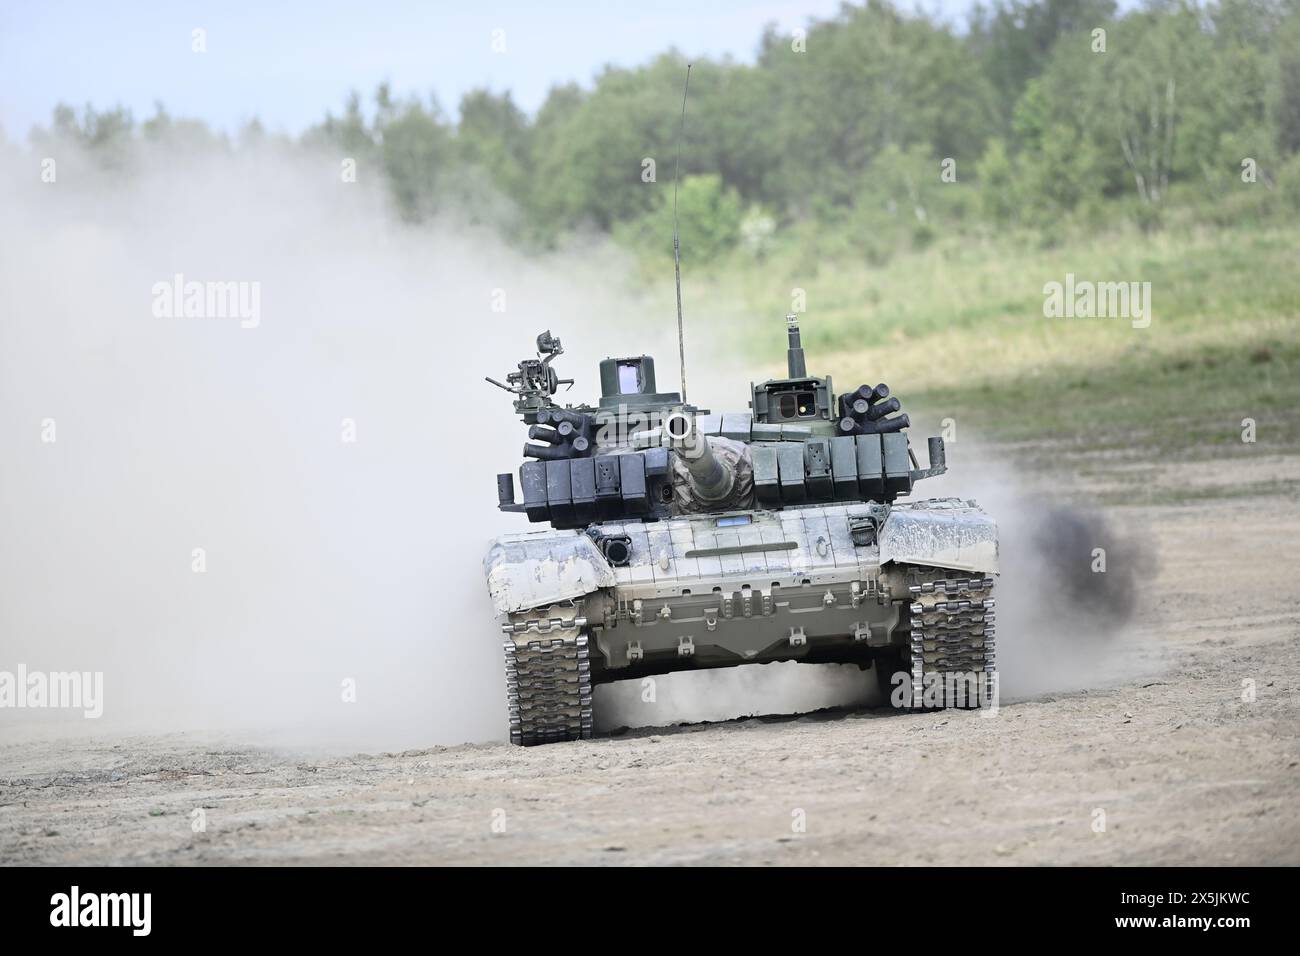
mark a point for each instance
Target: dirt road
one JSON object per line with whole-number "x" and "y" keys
{"x": 1169, "y": 766}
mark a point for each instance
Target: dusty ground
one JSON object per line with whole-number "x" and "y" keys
{"x": 1183, "y": 769}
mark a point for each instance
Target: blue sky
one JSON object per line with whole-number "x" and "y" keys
{"x": 286, "y": 63}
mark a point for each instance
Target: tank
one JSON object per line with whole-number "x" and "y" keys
{"x": 677, "y": 539}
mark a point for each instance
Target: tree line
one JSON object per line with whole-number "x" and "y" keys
{"x": 874, "y": 127}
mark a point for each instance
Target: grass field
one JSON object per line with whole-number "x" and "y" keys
{"x": 958, "y": 329}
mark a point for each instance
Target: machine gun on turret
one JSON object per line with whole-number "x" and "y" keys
{"x": 536, "y": 381}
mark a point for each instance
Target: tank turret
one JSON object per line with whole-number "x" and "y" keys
{"x": 646, "y": 454}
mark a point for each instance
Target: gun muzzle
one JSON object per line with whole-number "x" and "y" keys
{"x": 712, "y": 479}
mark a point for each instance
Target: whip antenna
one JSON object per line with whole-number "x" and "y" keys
{"x": 677, "y": 253}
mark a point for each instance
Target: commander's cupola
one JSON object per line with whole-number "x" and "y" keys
{"x": 797, "y": 398}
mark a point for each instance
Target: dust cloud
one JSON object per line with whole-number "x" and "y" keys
{"x": 1070, "y": 579}
{"x": 727, "y": 693}
{"x": 331, "y": 451}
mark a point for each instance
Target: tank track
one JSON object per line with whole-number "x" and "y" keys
{"x": 952, "y": 631}
{"x": 548, "y": 690}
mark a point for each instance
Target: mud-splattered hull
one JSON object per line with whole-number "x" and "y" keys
{"x": 838, "y": 583}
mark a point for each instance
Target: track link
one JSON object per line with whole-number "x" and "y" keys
{"x": 548, "y": 690}
{"x": 952, "y": 637}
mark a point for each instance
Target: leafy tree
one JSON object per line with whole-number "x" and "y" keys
{"x": 591, "y": 161}
{"x": 494, "y": 135}
{"x": 416, "y": 150}
{"x": 997, "y": 181}
{"x": 1014, "y": 40}
{"x": 1285, "y": 94}
{"x": 348, "y": 133}
{"x": 709, "y": 216}
{"x": 871, "y": 78}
